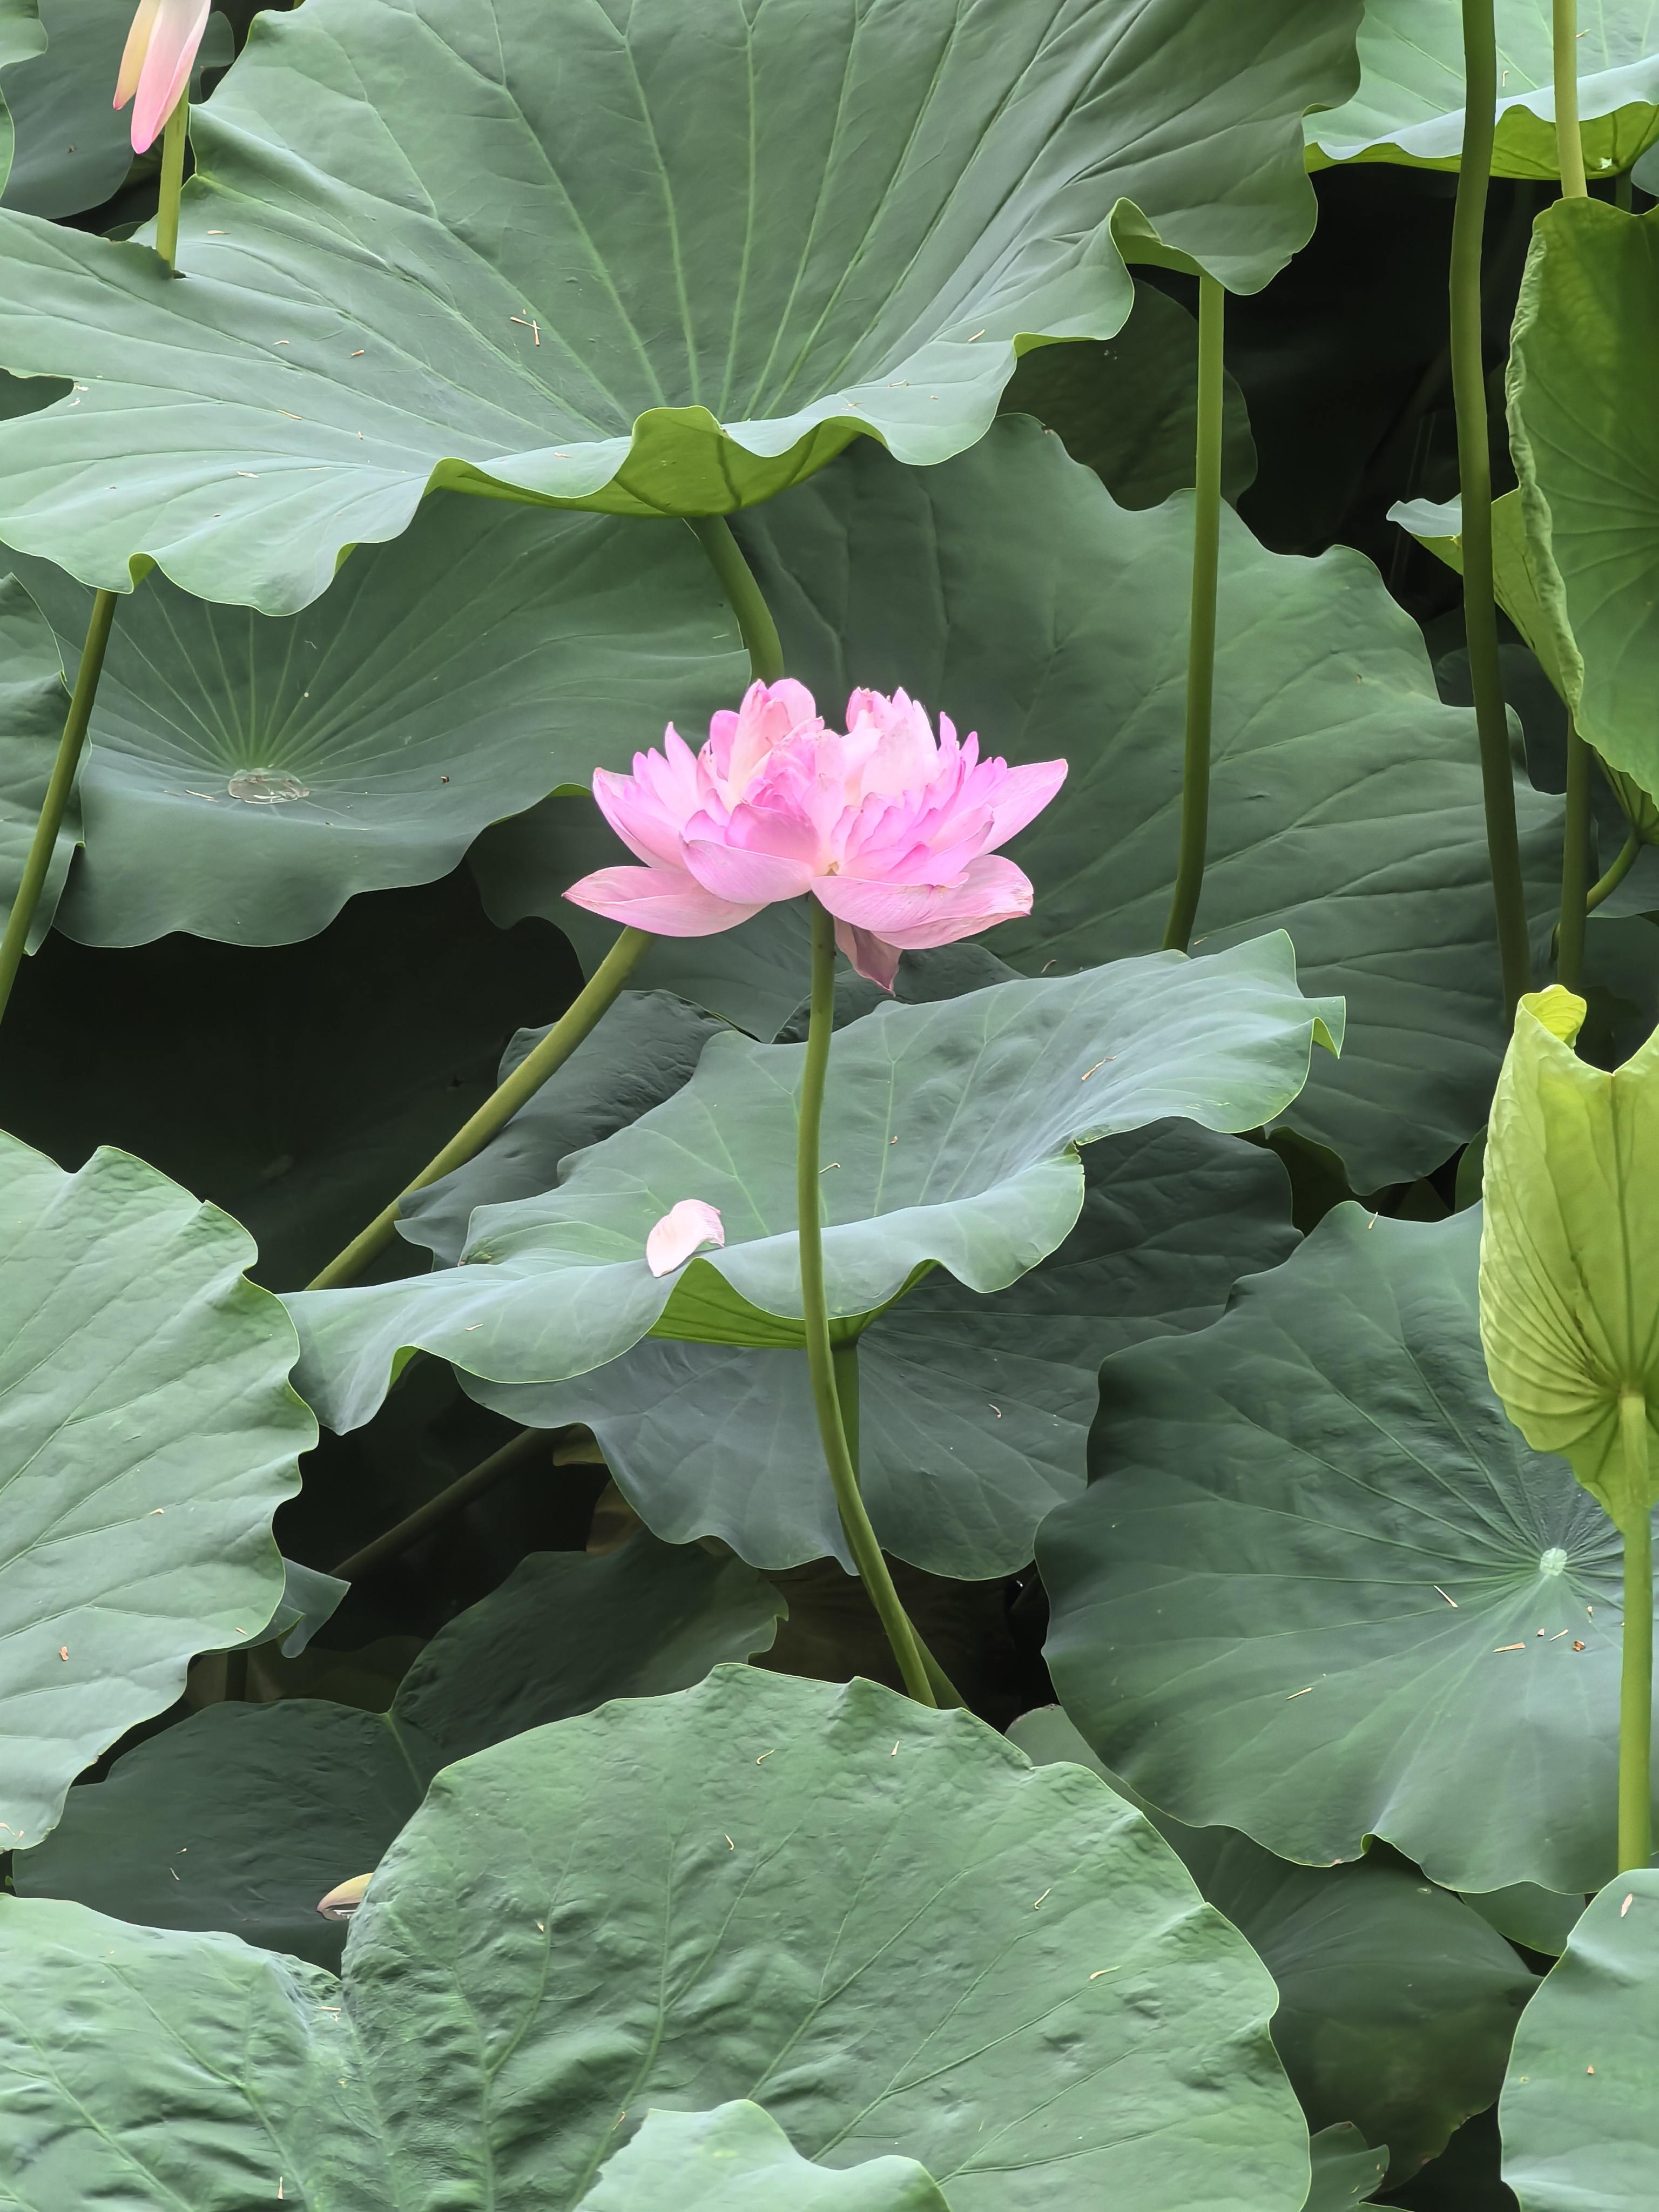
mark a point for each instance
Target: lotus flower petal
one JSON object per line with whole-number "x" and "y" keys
{"x": 666, "y": 902}
{"x": 871, "y": 957}
{"x": 160, "y": 54}
{"x": 679, "y": 1233}
{"x": 913, "y": 916}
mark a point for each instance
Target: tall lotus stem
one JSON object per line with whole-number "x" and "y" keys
{"x": 172, "y": 180}
{"x": 1474, "y": 469}
{"x": 14, "y": 944}
{"x": 1569, "y": 146}
{"x": 745, "y": 596}
{"x": 1575, "y": 864}
{"x": 820, "y": 1357}
{"x": 1200, "y": 643}
{"x": 599, "y": 993}
{"x": 1636, "y": 1665}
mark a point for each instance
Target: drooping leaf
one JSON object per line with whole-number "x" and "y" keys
{"x": 1129, "y": 410}
{"x": 1396, "y": 2003}
{"x": 1409, "y": 106}
{"x": 147, "y": 1434}
{"x": 1008, "y": 590}
{"x": 1568, "y": 1263}
{"x": 246, "y": 776}
{"x": 1579, "y": 2118}
{"x": 1320, "y": 1589}
{"x": 975, "y": 1411}
{"x": 636, "y": 327}
{"x": 33, "y": 704}
{"x": 1001, "y": 1971}
{"x": 1584, "y": 430}
{"x": 296, "y": 1086}
{"x": 735, "y": 2156}
{"x": 309, "y": 1598}
{"x": 642, "y": 1052}
{"x": 243, "y": 1816}
{"x": 949, "y": 1135}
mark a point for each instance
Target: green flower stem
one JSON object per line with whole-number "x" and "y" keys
{"x": 522, "y": 1450}
{"x": 527, "y": 1079}
{"x": 1575, "y": 864}
{"x": 820, "y": 1359}
{"x": 1474, "y": 469}
{"x": 70, "y": 746}
{"x": 1200, "y": 644}
{"x": 1636, "y": 1669}
{"x": 1569, "y": 146}
{"x": 174, "y": 136}
{"x": 1615, "y": 875}
{"x": 759, "y": 632}
{"x": 845, "y": 1355}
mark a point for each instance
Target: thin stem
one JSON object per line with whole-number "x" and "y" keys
{"x": 1616, "y": 874}
{"x": 759, "y": 632}
{"x": 1621, "y": 191}
{"x": 603, "y": 987}
{"x": 1569, "y": 146}
{"x": 1636, "y": 1667}
{"x": 172, "y": 180}
{"x": 1200, "y": 643}
{"x": 1474, "y": 469}
{"x": 61, "y": 782}
{"x": 820, "y": 1358}
{"x": 1575, "y": 864}
{"x": 425, "y": 1518}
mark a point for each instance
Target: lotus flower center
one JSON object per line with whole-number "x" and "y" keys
{"x": 1553, "y": 1561}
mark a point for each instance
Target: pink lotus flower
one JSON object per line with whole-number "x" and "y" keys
{"x": 892, "y": 833}
{"x": 160, "y": 52}
{"x": 681, "y": 1230}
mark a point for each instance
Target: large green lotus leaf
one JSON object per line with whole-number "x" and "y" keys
{"x": 1129, "y": 410}
{"x": 1569, "y": 1264}
{"x": 644, "y": 1050}
{"x": 879, "y": 1924}
{"x": 1345, "y": 2171}
{"x": 1409, "y": 106}
{"x": 633, "y": 325}
{"x": 735, "y": 2159}
{"x": 33, "y": 705}
{"x": 974, "y": 1411}
{"x": 1584, "y": 431}
{"x": 1579, "y": 2113}
{"x": 297, "y": 1086}
{"x": 244, "y": 1816}
{"x": 1396, "y": 2003}
{"x": 1320, "y": 1589}
{"x": 23, "y": 37}
{"x": 147, "y": 1435}
{"x": 1008, "y": 590}
{"x": 245, "y": 776}
{"x": 949, "y": 1138}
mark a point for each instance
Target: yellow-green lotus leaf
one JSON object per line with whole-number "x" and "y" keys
{"x": 1570, "y": 1251}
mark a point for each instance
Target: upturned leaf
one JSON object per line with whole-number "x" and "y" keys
{"x": 568, "y": 301}
{"x": 147, "y": 1434}
{"x": 735, "y": 2159}
{"x": 1570, "y": 1253}
{"x": 950, "y": 1136}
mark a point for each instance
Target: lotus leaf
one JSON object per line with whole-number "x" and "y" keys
{"x": 1322, "y": 1590}
{"x": 33, "y": 704}
{"x": 735, "y": 2159}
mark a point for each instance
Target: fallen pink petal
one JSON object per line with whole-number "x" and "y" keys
{"x": 682, "y": 1231}
{"x": 892, "y": 828}
{"x": 155, "y": 66}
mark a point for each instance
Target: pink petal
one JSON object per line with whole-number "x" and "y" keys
{"x": 747, "y": 878}
{"x": 170, "y": 35}
{"x": 874, "y": 959}
{"x": 913, "y": 916}
{"x": 678, "y": 1234}
{"x": 646, "y": 823}
{"x": 666, "y": 902}
{"x": 1024, "y": 795}
{"x": 132, "y": 56}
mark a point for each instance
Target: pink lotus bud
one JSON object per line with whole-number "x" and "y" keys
{"x": 679, "y": 1233}
{"x": 893, "y": 832}
{"x": 160, "y": 52}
